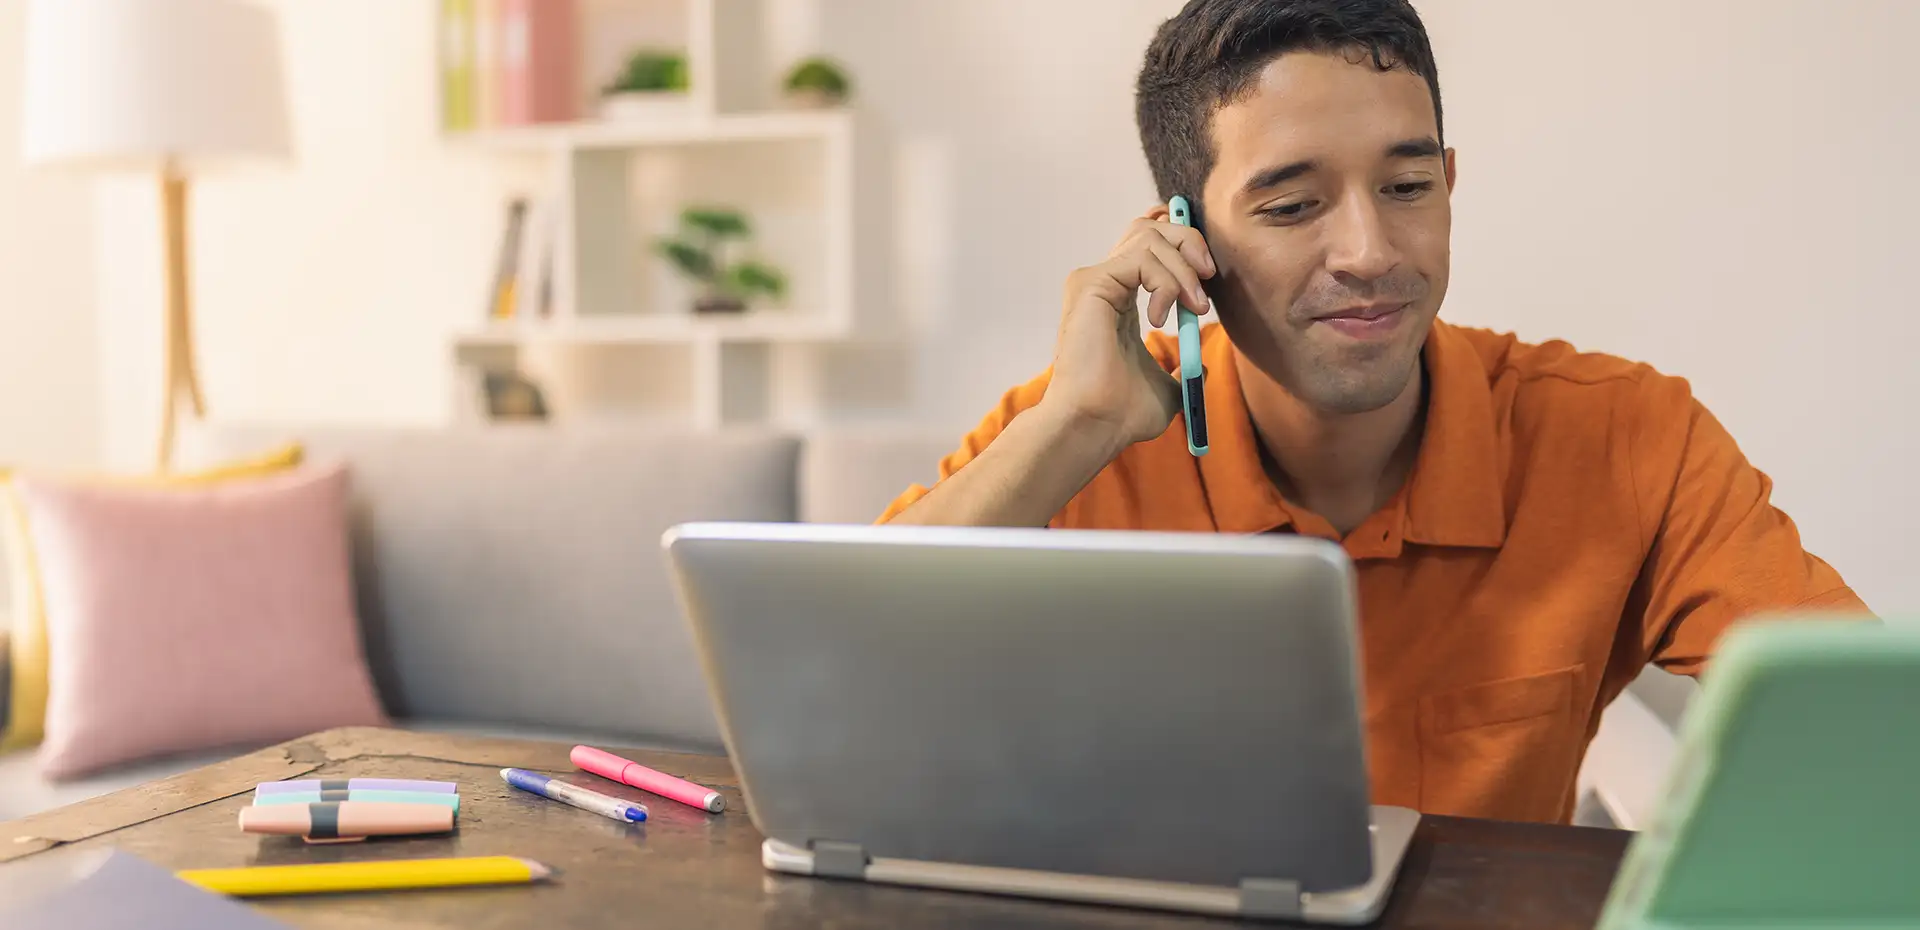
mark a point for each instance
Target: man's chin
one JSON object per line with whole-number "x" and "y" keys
{"x": 1354, "y": 397}
{"x": 1353, "y": 378}
{"x": 1334, "y": 373}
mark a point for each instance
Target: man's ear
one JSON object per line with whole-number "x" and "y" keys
{"x": 1452, "y": 170}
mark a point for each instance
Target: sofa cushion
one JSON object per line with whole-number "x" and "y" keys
{"x": 27, "y": 697}
{"x": 6, "y": 664}
{"x": 513, "y": 574}
{"x": 190, "y": 618}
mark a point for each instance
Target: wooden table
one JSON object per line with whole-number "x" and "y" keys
{"x": 686, "y": 868}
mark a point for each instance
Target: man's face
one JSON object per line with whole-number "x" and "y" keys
{"x": 1327, "y": 212}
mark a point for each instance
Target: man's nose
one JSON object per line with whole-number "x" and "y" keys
{"x": 1358, "y": 243}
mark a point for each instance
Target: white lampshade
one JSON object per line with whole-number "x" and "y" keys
{"x": 114, "y": 84}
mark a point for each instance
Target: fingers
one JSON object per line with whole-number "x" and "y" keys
{"x": 1191, "y": 293}
{"x": 1192, "y": 244}
{"x": 1118, "y": 280}
{"x": 1163, "y": 288}
{"x": 1166, "y": 260}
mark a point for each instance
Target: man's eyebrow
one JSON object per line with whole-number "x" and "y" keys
{"x": 1278, "y": 175}
{"x": 1426, "y": 147}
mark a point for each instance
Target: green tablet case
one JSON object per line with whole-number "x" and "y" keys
{"x": 1795, "y": 799}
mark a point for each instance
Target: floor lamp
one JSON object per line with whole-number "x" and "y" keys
{"x": 168, "y": 88}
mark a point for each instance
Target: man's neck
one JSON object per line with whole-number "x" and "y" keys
{"x": 1343, "y": 467}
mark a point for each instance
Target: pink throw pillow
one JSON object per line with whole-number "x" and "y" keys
{"x": 194, "y": 618}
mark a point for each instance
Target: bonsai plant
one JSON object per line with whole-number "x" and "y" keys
{"x": 817, "y": 82}
{"x": 700, "y": 250}
{"x": 652, "y": 83}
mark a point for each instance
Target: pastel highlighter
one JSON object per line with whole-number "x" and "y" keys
{"x": 403, "y": 797}
{"x": 354, "y": 784}
{"x": 346, "y": 820}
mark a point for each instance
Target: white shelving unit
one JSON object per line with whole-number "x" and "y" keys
{"x": 613, "y": 186}
{"x": 695, "y": 129}
{"x": 670, "y": 330}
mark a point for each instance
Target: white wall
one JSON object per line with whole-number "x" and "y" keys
{"x": 1012, "y": 124}
{"x": 1718, "y": 187}
{"x": 325, "y": 290}
{"x": 1715, "y": 186}
{"x": 49, "y": 373}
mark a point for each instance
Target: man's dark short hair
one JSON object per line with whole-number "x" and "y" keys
{"x": 1210, "y": 53}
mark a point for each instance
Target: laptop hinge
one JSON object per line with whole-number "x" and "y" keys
{"x": 1274, "y": 898}
{"x": 838, "y": 860}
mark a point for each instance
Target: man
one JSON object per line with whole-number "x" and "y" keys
{"x": 1530, "y": 526}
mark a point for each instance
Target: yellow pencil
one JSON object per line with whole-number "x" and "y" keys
{"x": 320, "y": 878}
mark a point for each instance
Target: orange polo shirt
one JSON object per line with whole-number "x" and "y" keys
{"x": 1569, "y": 519}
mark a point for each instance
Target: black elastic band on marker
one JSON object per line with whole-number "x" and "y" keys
{"x": 335, "y": 784}
{"x": 325, "y": 821}
{"x": 335, "y": 794}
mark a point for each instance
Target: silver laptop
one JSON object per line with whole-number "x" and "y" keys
{"x": 1139, "y": 719}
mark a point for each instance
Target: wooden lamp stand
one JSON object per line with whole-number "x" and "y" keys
{"x": 114, "y": 87}
{"x": 181, "y": 373}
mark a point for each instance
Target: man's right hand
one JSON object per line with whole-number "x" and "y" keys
{"x": 1103, "y": 376}
{"x": 1105, "y": 393}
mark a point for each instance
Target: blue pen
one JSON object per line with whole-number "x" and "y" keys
{"x": 586, "y": 799}
{"x": 1193, "y": 396}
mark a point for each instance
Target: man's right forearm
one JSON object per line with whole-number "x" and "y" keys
{"x": 1025, "y": 476}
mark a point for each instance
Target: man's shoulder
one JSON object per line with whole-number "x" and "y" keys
{"x": 1507, "y": 357}
{"x": 1550, "y": 376}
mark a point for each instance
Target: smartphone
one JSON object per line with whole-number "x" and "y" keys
{"x": 1193, "y": 376}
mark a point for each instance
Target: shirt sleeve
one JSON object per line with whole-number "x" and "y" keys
{"x": 1719, "y": 551}
{"x": 1013, "y": 403}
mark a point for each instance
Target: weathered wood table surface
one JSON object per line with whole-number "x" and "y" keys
{"x": 687, "y": 868}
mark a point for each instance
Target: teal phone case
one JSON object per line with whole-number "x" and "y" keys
{"x": 1193, "y": 396}
{"x": 1795, "y": 800}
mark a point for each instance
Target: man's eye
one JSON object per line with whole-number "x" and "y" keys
{"x": 1407, "y": 190}
{"x": 1287, "y": 211}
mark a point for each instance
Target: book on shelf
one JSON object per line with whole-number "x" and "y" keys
{"x": 539, "y": 55}
{"x": 502, "y": 302}
{"x": 509, "y": 63}
{"x": 486, "y": 63}
{"x": 457, "y": 41}
{"x": 535, "y": 267}
{"x": 523, "y": 268}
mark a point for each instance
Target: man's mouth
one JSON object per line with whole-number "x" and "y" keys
{"x": 1365, "y": 320}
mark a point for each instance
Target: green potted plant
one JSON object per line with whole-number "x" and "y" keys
{"x": 817, "y": 82}
{"x": 701, "y": 250}
{"x": 651, "y": 85}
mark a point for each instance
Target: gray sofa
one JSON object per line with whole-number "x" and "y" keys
{"x": 510, "y": 580}
{"x": 510, "y": 583}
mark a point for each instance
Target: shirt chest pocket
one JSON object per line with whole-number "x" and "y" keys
{"x": 1507, "y": 749}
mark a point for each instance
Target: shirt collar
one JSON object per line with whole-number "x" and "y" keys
{"x": 1241, "y": 497}
{"x": 1453, "y": 496}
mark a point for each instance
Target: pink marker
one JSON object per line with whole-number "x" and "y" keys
{"x": 628, "y": 772}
